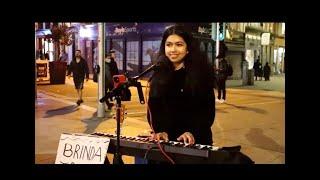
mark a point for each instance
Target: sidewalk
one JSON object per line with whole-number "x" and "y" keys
{"x": 56, "y": 115}
{"x": 276, "y": 83}
{"x": 253, "y": 114}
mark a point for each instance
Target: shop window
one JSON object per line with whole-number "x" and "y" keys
{"x": 283, "y": 28}
{"x": 150, "y": 52}
{"x": 132, "y": 56}
{"x": 117, "y": 45}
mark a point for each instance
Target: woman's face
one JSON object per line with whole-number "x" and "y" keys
{"x": 175, "y": 49}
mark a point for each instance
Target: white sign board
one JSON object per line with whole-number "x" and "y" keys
{"x": 82, "y": 149}
{"x": 265, "y": 39}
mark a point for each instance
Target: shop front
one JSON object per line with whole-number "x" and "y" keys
{"x": 279, "y": 56}
{"x": 137, "y": 45}
{"x": 235, "y": 55}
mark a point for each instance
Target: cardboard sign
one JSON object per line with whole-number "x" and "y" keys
{"x": 82, "y": 149}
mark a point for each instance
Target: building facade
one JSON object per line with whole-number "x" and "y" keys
{"x": 255, "y": 41}
{"x": 137, "y": 44}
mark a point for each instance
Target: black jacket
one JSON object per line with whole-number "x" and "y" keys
{"x": 112, "y": 66}
{"x": 222, "y": 71}
{"x": 111, "y": 69}
{"x": 257, "y": 66}
{"x": 79, "y": 70}
{"x": 266, "y": 70}
{"x": 177, "y": 108}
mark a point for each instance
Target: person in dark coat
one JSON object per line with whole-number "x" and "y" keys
{"x": 111, "y": 69}
{"x": 257, "y": 69}
{"x": 221, "y": 79}
{"x": 79, "y": 68}
{"x": 266, "y": 72}
{"x": 181, "y": 105}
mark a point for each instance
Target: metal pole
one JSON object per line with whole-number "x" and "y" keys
{"x": 101, "y": 81}
{"x": 117, "y": 159}
{"x": 217, "y": 45}
{"x": 35, "y": 62}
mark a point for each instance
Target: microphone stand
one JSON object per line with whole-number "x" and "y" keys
{"x": 118, "y": 93}
{"x": 117, "y": 155}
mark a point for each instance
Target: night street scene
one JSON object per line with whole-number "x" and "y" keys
{"x": 160, "y": 93}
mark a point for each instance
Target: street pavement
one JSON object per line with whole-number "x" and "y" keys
{"x": 253, "y": 117}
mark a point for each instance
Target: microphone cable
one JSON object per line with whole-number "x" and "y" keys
{"x": 158, "y": 143}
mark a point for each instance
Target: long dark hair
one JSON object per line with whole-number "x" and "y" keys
{"x": 198, "y": 74}
{"x": 192, "y": 45}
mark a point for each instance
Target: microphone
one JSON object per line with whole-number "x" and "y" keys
{"x": 154, "y": 67}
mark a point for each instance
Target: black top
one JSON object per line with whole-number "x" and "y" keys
{"x": 79, "y": 70}
{"x": 176, "y": 110}
{"x": 222, "y": 71}
{"x": 266, "y": 70}
{"x": 111, "y": 69}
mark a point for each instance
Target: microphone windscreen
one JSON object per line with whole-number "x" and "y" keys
{"x": 162, "y": 61}
{"x": 161, "y": 58}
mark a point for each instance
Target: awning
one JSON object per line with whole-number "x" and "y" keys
{"x": 41, "y": 33}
